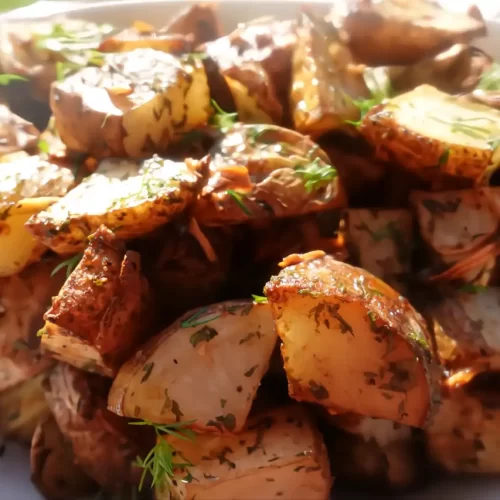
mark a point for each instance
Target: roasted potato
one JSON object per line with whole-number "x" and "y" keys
{"x": 128, "y": 197}
{"x": 104, "y": 445}
{"x": 258, "y": 172}
{"x": 380, "y": 242}
{"x": 338, "y": 323}
{"x": 198, "y": 20}
{"x": 101, "y": 312}
{"x": 433, "y": 134}
{"x": 53, "y": 468}
{"x": 325, "y": 81}
{"x": 278, "y": 454}
{"x": 16, "y": 133}
{"x": 373, "y": 452}
{"x": 402, "y": 31}
{"x": 227, "y": 348}
{"x": 24, "y": 298}
{"x": 464, "y": 437}
{"x": 22, "y": 407}
{"x": 135, "y": 105}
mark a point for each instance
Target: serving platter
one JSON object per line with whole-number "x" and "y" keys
{"x": 14, "y": 460}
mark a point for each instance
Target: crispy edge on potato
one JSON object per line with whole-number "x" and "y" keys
{"x": 280, "y": 453}
{"x": 339, "y": 323}
{"x": 53, "y": 468}
{"x": 225, "y": 349}
{"x": 103, "y": 305}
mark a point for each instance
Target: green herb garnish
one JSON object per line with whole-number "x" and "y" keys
{"x": 69, "y": 264}
{"x": 5, "y": 79}
{"x": 238, "y": 198}
{"x": 43, "y": 146}
{"x": 198, "y": 319}
{"x": 162, "y": 462}
{"x": 259, "y": 299}
{"x": 490, "y": 80}
{"x": 474, "y": 289}
{"x": 316, "y": 174}
{"x": 221, "y": 119}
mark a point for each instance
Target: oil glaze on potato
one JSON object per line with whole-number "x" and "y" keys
{"x": 279, "y": 454}
{"x": 16, "y": 133}
{"x": 205, "y": 368}
{"x": 350, "y": 342}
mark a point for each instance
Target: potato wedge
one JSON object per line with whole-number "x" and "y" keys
{"x": 380, "y": 241}
{"x": 373, "y": 452}
{"x": 464, "y": 437}
{"x": 402, "y": 31}
{"x": 24, "y": 298}
{"x": 432, "y": 134}
{"x": 338, "y": 323}
{"x": 16, "y": 133}
{"x": 103, "y": 445}
{"x": 53, "y": 468}
{"x": 103, "y": 305}
{"x": 280, "y": 453}
{"x": 227, "y": 348}
{"x": 128, "y": 197}
{"x": 325, "y": 81}
{"x": 264, "y": 171}
{"x": 22, "y": 407}
{"x": 135, "y": 105}
{"x": 198, "y": 20}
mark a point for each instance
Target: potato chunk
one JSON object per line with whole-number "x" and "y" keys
{"x": 402, "y": 31}
{"x": 136, "y": 104}
{"x": 206, "y": 367}
{"x": 380, "y": 242}
{"x": 263, "y": 171}
{"x": 53, "y": 468}
{"x": 104, "y": 445}
{"x": 325, "y": 81}
{"x": 101, "y": 312}
{"x": 280, "y": 453}
{"x": 339, "y": 323}
{"x": 24, "y": 298}
{"x": 432, "y": 134}
{"x": 129, "y": 198}
{"x": 16, "y": 133}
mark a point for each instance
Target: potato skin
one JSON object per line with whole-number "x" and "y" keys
{"x": 16, "y": 134}
{"x": 53, "y": 468}
{"x": 315, "y": 293}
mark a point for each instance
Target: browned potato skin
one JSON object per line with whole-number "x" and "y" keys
{"x": 53, "y": 468}
{"x": 318, "y": 284}
{"x": 16, "y": 133}
{"x": 24, "y": 299}
{"x": 102, "y": 443}
{"x": 106, "y": 300}
{"x": 199, "y": 21}
{"x": 396, "y": 32}
{"x": 267, "y": 179}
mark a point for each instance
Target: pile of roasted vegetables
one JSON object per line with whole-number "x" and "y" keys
{"x": 208, "y": 219}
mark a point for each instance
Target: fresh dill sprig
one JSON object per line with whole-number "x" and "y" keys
{"x": 239, "y": 200}
{"x": 221, "y": 119}
{"x": 69, "y": 264}
{"x": 163, "y": 460}
{"x": 316, "y": 174}
{"x": 6, "y": 78}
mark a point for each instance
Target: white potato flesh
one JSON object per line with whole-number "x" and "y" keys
{"x": 380, "y": 241}
{"x": 351, "y": 343}
{"x": 280, "y": 453}
{"x": 130, "y": 198}
{"x": 136, "y": 104}
{"x": 205, "y": 367}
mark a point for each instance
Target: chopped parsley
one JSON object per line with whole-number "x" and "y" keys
{"x": 316, "y": 174}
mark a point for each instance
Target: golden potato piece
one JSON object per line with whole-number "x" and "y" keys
{"x": 432, "y": 133}
{"x": 280, "y": 453}
{"x": 325, "y": 81}
{"x": 464, "y": 437}
{"x": 24, "y": 298}
{"x": 402, "y": 31}
{"x": 103, "y": 306}
{"x": 380, "y": 241}
{"x": 338, "y": 323}
{"x": 264, "y": 171}
{"x": 128, "y": 197}
{"x": 22, "y": 407}
{"x": 136, "y": 104}
{"x": 53, "y": 468}
{"x": 225, "y": 349}
{"x": 103, "y": 445}
{"x": 16, "y": 133}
